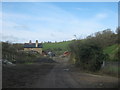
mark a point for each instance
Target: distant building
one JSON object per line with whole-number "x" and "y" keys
{"x": 35, "y": 47}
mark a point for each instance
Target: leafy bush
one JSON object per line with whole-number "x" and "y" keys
{"x": 88, "y": 55}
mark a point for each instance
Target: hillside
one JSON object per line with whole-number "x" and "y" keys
{"x": 112, "y": 51}
{"x": 60, "y": 47}
{"x": 57, "y": 47}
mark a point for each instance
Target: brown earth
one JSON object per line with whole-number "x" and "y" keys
{"x": 53, "y": 75}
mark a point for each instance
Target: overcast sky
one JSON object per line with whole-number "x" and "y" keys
{"x": 24, "y": 21}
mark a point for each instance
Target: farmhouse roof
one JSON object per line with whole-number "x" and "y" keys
{"x": 32, "y": 45}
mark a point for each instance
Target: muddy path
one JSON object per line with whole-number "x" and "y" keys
{"x": 53, "y": 75}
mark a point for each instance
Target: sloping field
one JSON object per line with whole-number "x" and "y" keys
{"x": 57, "y": 45}
{"x": 112, "y": 50}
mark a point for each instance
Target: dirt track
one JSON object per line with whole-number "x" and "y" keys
{"x": 53, "y": 75}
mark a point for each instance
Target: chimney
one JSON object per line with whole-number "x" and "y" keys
{"x": 36, "y": 43}
{"x": 30, "y": 41}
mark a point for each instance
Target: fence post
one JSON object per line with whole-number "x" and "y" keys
{"x": 103, "y": 65}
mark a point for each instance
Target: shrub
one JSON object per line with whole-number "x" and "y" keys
{"x": 88, "y": 55}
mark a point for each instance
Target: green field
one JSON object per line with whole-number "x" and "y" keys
{"x": 111, "y": 51}
{"x": 58, "y": 47}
